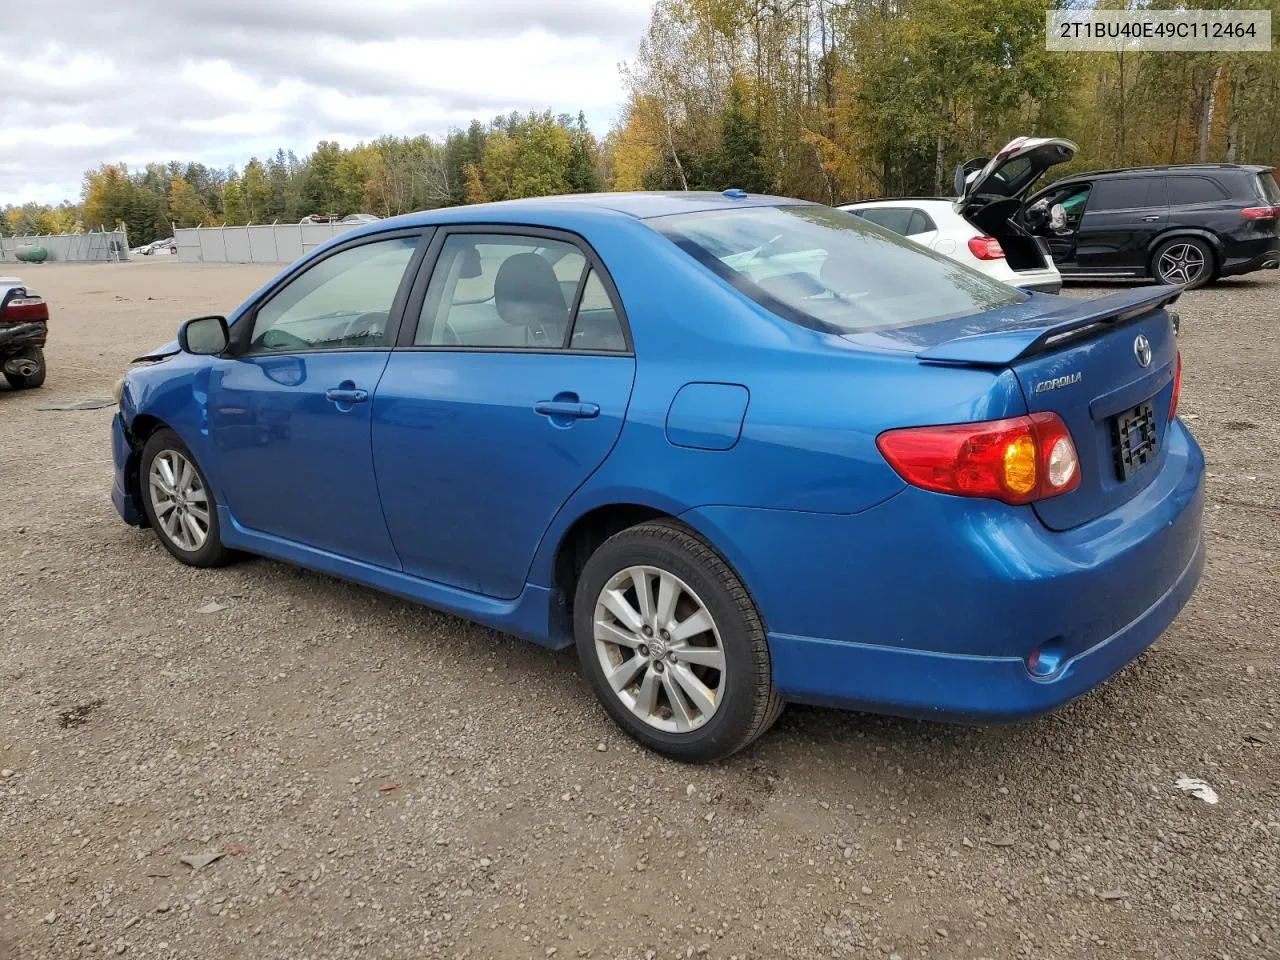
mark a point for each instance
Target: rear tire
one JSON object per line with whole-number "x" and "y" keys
{"x": 684, "y": 669}
{"x": 1186, "y": 261}
{"x": 31, "y": 380}
{"x": 179, "y": 502}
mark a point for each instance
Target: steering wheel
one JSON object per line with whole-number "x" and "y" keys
{"x": 365, "y": 325}
{"x": 277, "y": 339}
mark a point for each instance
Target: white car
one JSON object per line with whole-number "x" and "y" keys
{"x": 979, "y": 227}
{"x": 933, "y": 222}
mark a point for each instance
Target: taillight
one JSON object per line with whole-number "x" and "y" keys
{"x": 25, "y": 310}
{"x": 1260, "y": 213}
{"x": 1177, "y": 387}
{"x": 1018, "y": 460}
{"x": 986, "y": 248}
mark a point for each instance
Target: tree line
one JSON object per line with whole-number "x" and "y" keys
{"x": 828, "y": 100}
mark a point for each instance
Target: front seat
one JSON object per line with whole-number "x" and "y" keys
{"x": 527, "y": 294}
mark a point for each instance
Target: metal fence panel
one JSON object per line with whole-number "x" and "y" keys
{"x": 261, "y": 243}
{"x": 96, "y": 247}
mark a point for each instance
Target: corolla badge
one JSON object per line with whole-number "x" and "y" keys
{"x": 1056, "y": 382}
{"x": 1142, "y": 350}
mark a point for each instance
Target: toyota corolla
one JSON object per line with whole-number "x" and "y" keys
{"x": 740, "y": 450}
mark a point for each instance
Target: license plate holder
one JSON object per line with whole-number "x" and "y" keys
{"x": 1133, "y": 435}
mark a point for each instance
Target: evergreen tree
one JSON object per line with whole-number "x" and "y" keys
{"x": 582, "y": 158}
{"x": 321, "y": 192}
{"x": 738, "y": 162}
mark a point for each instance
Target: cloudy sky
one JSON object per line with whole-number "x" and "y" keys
{"x": 84, "y": 82}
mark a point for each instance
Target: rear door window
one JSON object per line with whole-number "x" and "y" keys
{"x": 491, "y": 290}
{"x": 1127, "y": 193}
{"x": 1184, "y": 191}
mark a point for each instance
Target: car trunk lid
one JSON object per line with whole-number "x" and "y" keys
{"x": 1084, "y": 361}
{"x": 991, "y": 192}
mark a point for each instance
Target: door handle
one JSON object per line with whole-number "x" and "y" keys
{"x": 1150, "y": 219}
{"x": 346, "y": 395}
{"x": 567, "y": 409}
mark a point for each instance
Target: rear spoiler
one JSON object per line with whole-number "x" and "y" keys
{"x": 1003, "y": 348}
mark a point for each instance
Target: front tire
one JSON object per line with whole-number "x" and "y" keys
{"x": 31, "y": 380}
{"x": 1186, "y": 261}
{"x": 673, "y": 645}
{"x": 179, "y": 502}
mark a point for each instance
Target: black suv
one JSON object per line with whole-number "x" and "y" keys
{"x": 1179, "y": 224}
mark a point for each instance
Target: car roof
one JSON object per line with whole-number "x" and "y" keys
{"x": 897, "y": 201}
{"x": 1166, "y": 168}
{"x": 859, "y": 203}
{"x": 638, "y": 205}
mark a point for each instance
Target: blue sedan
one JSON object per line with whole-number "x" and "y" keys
{"x": 740, "y": 450}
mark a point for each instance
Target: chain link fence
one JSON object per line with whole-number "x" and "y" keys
{"x": 263, "y": 243}
{"x": 99, "y": 246}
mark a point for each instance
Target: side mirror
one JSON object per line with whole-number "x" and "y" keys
{"x": 204, "y": 336}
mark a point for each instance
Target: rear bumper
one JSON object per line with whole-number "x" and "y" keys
{"x": 19, "y": 335}
{"x": 963, "y": 689}
{"x": 1039, "y": 282}
{"x": 1249, "y": 256}
{"x": 932, "y": 606}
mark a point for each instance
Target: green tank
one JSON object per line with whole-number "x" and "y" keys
{"x": 31, "y": 254}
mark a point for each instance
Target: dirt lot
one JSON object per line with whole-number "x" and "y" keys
{"x": 389, "y": 782}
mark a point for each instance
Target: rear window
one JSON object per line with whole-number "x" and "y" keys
{"x": 1267, "y": 183}
{"x": 832, "y": 271}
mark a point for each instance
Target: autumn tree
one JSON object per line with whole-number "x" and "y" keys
{"x": 186, "y": 207}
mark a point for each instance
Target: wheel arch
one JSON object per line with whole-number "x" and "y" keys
{"x": 1178, "y": 233}
{"x": 594, "y": 526}
{"x": 138, "y": 431}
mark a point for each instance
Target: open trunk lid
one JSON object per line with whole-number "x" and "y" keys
{"x": 1105, "y": 366}
{"x": 1012, "y": 172}
{"x": 991, "y": 191}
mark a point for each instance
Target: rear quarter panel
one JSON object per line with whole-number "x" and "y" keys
{"x": 815, "y": 402}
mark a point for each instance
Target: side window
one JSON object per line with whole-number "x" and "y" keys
{"x": 1187, "y": 190}
{"x": 897, "y": 219}
{"x": 1117, "y": 195}
{"x": 1073, "y": 203}
{"x": 493, "y": 290}
{"x": 597, "y": 326}
{"x": 1157, "y": 192}
{"x": 921, "y": 222}
{"x": 343, "y": 301}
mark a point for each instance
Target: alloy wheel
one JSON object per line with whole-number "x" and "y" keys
{"x": 1181, "y": 263}
{"x": 179, "y": 499}
{"x": 659, "y": 648}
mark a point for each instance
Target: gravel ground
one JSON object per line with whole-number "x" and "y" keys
{"x": 385, "y": 781}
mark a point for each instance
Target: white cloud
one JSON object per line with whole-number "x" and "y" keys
{"x": 222, "y": 80}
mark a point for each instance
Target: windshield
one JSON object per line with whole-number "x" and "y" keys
{"x": 830, "y": 270}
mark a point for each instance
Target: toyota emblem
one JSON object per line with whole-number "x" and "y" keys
{"x": 1142, "y": 350}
